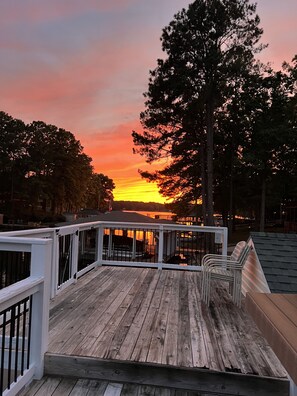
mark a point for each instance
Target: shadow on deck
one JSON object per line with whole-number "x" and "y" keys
{"x": 149, "y": 327}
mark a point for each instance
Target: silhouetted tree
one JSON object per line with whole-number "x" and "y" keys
{"x": 209, "y": 47}
{"x": 43, "y": 168}
{"x": 99, "y": 192}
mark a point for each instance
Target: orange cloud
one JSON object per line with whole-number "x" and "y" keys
{"x": 112, "y": 155}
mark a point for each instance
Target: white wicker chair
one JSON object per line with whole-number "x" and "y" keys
{"x": 225, "y": 268}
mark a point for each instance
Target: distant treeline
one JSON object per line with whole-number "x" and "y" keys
{"x": 136, "y": 205}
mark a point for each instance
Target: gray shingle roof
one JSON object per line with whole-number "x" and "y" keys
{"x": 277, "y": 254}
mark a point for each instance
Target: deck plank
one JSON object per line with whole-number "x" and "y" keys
{"x": 157, "y": 341}
{"x": 218, "y": 310}
{"x": 32, "y": 388}
{"x": 113, "y": 390}
{"x": 107, "y": 342}
{"x": 199, "y": 351}
{"x": 131, "y": 305}
{"x": 169, "y": 355}
{"x": 81, "y": 387}
{"x": 64, "y": 315}
{"x": 142, "y": 345}
{"x": 65, "y": 387}
{"x": 81, "y": 319}
{"x": 103, "y": 388}
{"x": 184, "y": 348}
{"x": 131, "y": 336}
{"x": 48, "y": 387}
{"x": 105, "y": 315}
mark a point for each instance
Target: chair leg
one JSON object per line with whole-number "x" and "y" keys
{"x": 208, "y": 283}
{"x": 202, "y": 285}
{"x": 239, "y": 282}
{"x": 205, "y": 287}
{"x": 237, "y": 290}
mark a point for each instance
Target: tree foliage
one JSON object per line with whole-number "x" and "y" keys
{"x": 210, "y": 48}
{"x": 44, "y": 170}
{"x": 100, "y": 194}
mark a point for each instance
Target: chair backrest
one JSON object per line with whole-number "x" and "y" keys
{"x": 238, "y": 250}
{"x": 240, "y": 253}
{"x": 244, "y": 255}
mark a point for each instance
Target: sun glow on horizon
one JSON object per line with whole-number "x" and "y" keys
{"x": 141, "y": 191}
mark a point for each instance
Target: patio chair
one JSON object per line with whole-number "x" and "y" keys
{"x": 225, "y": 268}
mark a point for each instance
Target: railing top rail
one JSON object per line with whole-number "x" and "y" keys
{"x": 111, "y": 224}
{"x": 31, "y": 231}
{"x": 19, "y": 290}
{"x": 175, "y": 226}
{"x": 24, "y": 240}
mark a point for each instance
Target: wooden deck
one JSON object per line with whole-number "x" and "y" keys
{"x": 155, "y": 319}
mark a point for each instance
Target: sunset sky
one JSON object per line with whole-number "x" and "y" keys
{"x": 83, "y": 65}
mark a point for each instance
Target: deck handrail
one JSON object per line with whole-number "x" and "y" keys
{"x": 58, "y": 280}
{"x": 24, "y": 316}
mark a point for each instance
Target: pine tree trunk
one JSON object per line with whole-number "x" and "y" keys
{"x": 231, "y": 192}
{"x": 203, "y": 183}
{"x": 231, "y": 208}
{"x": 263, "y": 205}
{"x": 209, "y": 161}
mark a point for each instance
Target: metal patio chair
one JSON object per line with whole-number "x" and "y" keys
{"x": 225, "y": 268}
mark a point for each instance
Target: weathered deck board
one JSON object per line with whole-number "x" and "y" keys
{"x": 184, "y": 348}
{"x": 146, "y": 315}
{"x": 127, "y": 346}
{"x": 152, "y": 374}
{"x": 169, "y": 355}
{"x": 59, "y": 386}
{"x": 142, "y": 345}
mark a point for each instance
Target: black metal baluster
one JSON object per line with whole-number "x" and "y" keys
{"x": 6, "y": 279}
{"x": 17, "y": 342}
{"x": 12, "y": 316}
{"x": 29, "y": 332}
{"x": 23, "y": 335}
{"x": 2, "y": 351}
{"x": 1, "y": 270}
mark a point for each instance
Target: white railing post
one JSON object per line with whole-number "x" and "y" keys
{"x": 160, "y": 247}
{"x": 55, "y": 264}
{"x": 110, "y": 243}
{"x": 40, "y": 267}
{"x": 56, "y": 259}
{"x": 134, "y": 245}
{"x": 74, "y": 255}
{"x": 293, "y": 387}
{"x": 224, "y": 241}
{"x": 100, "y": 235}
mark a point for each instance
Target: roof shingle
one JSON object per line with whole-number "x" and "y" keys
{"x": 277, "y": 254}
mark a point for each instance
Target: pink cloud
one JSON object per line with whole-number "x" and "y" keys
{"x": 38, "y": 10}
{"x": 66, "y": 92}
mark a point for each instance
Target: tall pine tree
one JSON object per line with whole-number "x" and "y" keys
{"x": 209, "y": 47}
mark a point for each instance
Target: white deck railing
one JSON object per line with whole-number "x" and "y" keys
{"x": 78, "y": 248}
{"x": 24, "y": 315}
{"x": 59, "y": 256}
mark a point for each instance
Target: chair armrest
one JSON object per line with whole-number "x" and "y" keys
{"x": 217, "y": 263}
{"x": 208, "y": 257}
